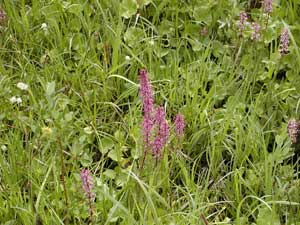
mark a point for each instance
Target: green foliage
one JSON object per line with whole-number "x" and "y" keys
{"x": 235, "y": 163}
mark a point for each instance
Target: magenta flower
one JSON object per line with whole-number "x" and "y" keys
{"x": 157, "y": 146}
{"x": 87, "y": 184}
{"x": 284, "y": 42}
{"x": 146, "y": 93}
{"x": 2, "y": 16}
{"x": 162, "y": 134}
{"x": 243, "y": 20}
{"x": 146, "y": 130}
{"x": 256, "y": 32}
{"x": 179, "y": 124}
{"x": 268, "y": 6}
{"x": 293, "y": 130}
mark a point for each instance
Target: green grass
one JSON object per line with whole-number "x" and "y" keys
{"x": 236, "y": 163}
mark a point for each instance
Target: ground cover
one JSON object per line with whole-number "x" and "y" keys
{"x": 149, "y": 112}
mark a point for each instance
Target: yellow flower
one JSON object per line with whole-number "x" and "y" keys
{"x": 47, "y": 131}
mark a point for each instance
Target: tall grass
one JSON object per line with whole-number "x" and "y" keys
{"x": 235, "y": 164}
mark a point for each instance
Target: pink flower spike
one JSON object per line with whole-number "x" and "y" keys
{"x": 256, "y": 32}
{"x": 293, "y": 130}
{"x": 157, "y": 146}
{"x": 159, "y": 115}
{"x": 243, "y": 20}
{"x": 162, "y": 133}
{"x": 146, "y": 130}
{"x": 284, "y": 42}
{"x": 146, "y": 92}
{"x": 268, "y": 6}
{"x": 87, "y": 183}
{"x": 179, "y": 124}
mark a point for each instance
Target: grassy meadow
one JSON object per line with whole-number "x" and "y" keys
{"x": 73, "y": 112}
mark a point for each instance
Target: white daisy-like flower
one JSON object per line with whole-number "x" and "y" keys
{"x": 22, "y": 86}
{"x": 15, "y": 99}
{"x": 127, "y": 58}
{"x": 19, "y": 100}
{"x": 44, "y": 27}
{"x": 3, "y": 148}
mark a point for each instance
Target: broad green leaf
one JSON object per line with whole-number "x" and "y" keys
{"x": 106, "y": 145}
{"x": 128, "y": 8}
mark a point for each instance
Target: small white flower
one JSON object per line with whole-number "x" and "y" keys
{"x": 22, "y": 86}
{"x": 15, "y": 99}
{"x": 44, "y": 27}
{"x": 19, "y": 100}
{"x": 127, "y": 58}
{"x": 3, "y": 148}
{"x": 151, "y": 42}
{"x": 88, "y": 130}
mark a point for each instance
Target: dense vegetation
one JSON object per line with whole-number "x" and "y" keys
{"x": 76, "y": 78}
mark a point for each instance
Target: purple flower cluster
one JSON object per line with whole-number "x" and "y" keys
{"x": 256, "y": 32}
{"x": 293, "y": 130}
{"x": 162, "y": 133}
{"x": 179, "y": 124}
{"x": 243, "y": 20}
{"x": 284, "y": 42}
{"x": 155, "y": 128}
{"x": 87, "y": 183}
{"x": 146, "y": 93}
{"x": 268, "y": 6}
{"x": 148, "y": 105}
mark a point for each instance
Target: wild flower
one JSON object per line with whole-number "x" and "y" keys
{"x": 22, "y": 86}
{"x": 268, "y": 6}
{"x": 293, "y": 130}
{"x": 87, "y": 185}
{"x": 47, "y": 131}
{"x": 147, "y": 125}
{"x": 256, "y": 31}
{"x": 2, "y": 16}
{"x": 127, "y": 58}
{"x": 179, "y": 124}
{"x": 243, "y": 20}
{"x": 44, "y": 27}
{"x": 3, "y": 148}
{"x": 15, "y": 99}
{"x": 162, "y": 134}
{"x": 284, "y": 42}
{"x": 146, "y": 92}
